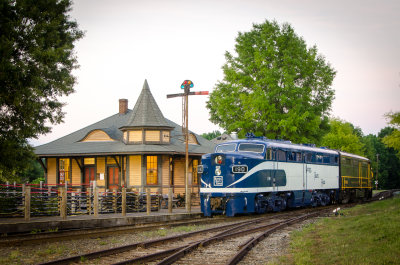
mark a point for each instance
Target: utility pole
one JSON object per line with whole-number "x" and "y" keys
{"x": 377, "y": 167}
{"x": 186, "y": 85}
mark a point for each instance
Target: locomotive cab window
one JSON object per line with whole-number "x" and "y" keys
{"x": 256, "y": 148}
{"x": 225, "y": 148}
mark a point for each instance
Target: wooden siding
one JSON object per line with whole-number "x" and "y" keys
{"x": 111, "y": 160}
{"x": 51, "y": 171}
{"x": 76, "y": 173}
{"x": 135, "y": 170}
{"x": 179, "y": 176}
{"x": 101, "y": 169}
{"x": 97, "y": 136}
{"x": 152, "y": 136}
{"x": 165, "y": 174}
{"x": 135, "y": 136}
{"x": 165, "y": 136}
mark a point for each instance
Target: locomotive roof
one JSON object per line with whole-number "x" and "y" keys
{"x": 353, "y": 156}
{"x": 285, "y": 145}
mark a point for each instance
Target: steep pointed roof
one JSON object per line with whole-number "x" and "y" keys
{"x": 146, "y": 112}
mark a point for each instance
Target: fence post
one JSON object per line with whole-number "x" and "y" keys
{"x": 27, "y": 202}
{"x": 115, "y": 194}
{"x": 123, "y": 203}
{"x": 95, "y": 201}
{"x": 63, "y": 206}
{"x": 89, "y": 200}
{"x": 148, "y": 201}
{"x": 73, "y": 202}
{"x": 170, "y": 198}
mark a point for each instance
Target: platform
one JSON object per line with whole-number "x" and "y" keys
{"x": 19, "y": 225}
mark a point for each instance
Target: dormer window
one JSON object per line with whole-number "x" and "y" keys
{"x": 152, "y": 136}
{"x": 135, "y": 136}
{"x": 147, "y": 136}
{"x": 193, "y": 139}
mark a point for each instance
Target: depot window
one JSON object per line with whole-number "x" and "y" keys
{"x": 63, "y": 170}
{"x": 151, "y": 170}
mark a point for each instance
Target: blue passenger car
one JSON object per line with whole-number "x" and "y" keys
{"x": 261, "y": 175}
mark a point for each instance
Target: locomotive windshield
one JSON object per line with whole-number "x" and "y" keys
{"x": 256, "y": 148}
{"x": 225, "y": 148}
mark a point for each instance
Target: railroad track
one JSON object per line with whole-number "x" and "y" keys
{"x": 26, "y": 239}
{"x": 211, "y": 243}
{"x": 180, "y": 245}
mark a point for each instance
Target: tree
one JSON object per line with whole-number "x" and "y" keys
{"x": 274, "y": 86}
{"x": 393, "y": 139}
{"x": 211, "y": 135}
{"x": 343, "y": 136}
{"x": 36, "y": 47}
{"x": 388, "y": 165}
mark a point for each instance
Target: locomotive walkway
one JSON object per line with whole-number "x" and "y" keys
{"x": 19, "y": 225}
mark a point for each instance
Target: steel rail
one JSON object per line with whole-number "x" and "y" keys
{"x": 178, "y": 252}
{"x": 254, "y": 241}
{"x": 69, "y": 234}
{"x": 145, "y": 244}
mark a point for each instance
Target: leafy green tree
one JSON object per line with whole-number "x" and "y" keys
{"x": 389, "y": 163}
{"x": 36, "y": 46}
{"x": 273, "y": 86}
{"x": 211, "y": 135}
{"x": 343, "y": 136}
{"x": 393, "y": 139}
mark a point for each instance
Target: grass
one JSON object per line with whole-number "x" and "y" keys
{"x": 164, "y": 232}
{"x": 365, "y": 234}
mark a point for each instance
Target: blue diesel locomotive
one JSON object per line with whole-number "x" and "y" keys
{"x": 258, "y": 175}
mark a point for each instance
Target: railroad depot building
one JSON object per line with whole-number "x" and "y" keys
{"x": 136, "y": 149}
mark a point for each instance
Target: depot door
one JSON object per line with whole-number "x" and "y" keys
{"x": 89, "y": 175}
{"x": 113, "y": 178}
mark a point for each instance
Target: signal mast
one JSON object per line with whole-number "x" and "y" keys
{"x": 186, "y": 85}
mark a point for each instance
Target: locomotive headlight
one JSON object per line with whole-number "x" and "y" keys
{"x": 217, "y": 170}
{"x": 218, "y": 160}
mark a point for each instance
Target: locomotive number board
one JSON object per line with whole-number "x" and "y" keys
{"x": 239, "y": 169}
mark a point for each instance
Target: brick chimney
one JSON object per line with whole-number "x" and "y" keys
{"x": 123, "y": 106}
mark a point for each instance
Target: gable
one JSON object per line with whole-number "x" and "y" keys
{"x": 97, "y": 136}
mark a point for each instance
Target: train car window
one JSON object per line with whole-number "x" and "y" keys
{"x": 298, "y": 157}
{"x": 280, "y": 155}
{"x": 326, "y": 160}
{"x": 364, "y": 170}
{"x": 355, "y": 169}
{"x": 319, "y": 158}
{"x": 291, "y": 156}
{"x": 256, "y": 148}
{"x": 269, "y": 154}
{"x": 336, "y": 159}
{"x": 280, "y": 178}
{"x": 225, "y": 148}
{"x": 308, "y": 157}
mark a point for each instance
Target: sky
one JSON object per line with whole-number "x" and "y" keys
{"x": 169, "y": 41}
